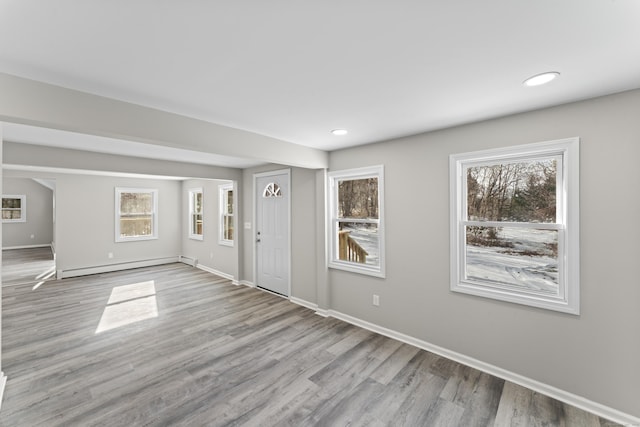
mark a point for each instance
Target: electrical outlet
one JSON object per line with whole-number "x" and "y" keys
{"x": 376, "y": 300}
{"x": 110, "y": 255}
{"x": 33, "y": 236}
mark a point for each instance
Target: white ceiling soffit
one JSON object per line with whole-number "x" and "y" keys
{"x": 28, "y": 171}
{"x": 294, "y": 70}
{"x": 63, "y": 139}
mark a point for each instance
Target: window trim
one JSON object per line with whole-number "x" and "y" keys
{"x": 23, "y": 207}
{"x": 154, "y": 214}
{"x": 567, "y": 224}
{"x": 223, "y": 189}
{"x": 192, "y": 193}
{"x": 333, "y": 220}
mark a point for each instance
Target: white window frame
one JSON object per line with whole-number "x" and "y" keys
{"x": 567, "y": 223}
{"x": 333, "y": 220}
{"x": 154, "y": 214}
{"x": 23, "y": 207}
{"x": 223, "y": 189}
{"x": 193, "y": 192}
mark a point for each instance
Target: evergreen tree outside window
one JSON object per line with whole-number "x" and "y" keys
{"x": 514, "y": 229}
{"x": 136, "y": 214}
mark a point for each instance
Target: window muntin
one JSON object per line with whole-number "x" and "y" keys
{"x": 136, "y": 214}
{"x": 356, "y": 216}
{"x": 14, "y": 208}
{"x": 196, "y": 216}
{"x": 227, "y": 214}
{"x": 514, "y": 234}
{"x": 272, "y": 190}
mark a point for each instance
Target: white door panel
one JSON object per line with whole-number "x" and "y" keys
{"x": 272, "y": 232}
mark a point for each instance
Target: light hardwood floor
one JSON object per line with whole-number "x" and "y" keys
{"x": 31, "y": 265}
{"x": 176, "y": 346}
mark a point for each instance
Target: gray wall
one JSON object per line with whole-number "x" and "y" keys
{"x": 208, "y": 251}
{"x": 594, "y": 355}
{"x": 85, "y": 223}
{"x": 39, "y": 214}
{"x": 303, "y": 238}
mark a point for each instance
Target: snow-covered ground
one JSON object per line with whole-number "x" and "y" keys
{"x": 509, "y": 266}
{"x": 502, "y": 265}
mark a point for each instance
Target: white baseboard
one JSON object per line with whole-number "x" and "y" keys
{"x": 553, "y": 392}
{"x": 311, "y": 305}
{"x": 62, "y": 274}
{"x": 216, "y": 272}
{"x": 304, "y": 303}
{"x": 561, "y": 395}
{"x": 247, "y": 283}
{"x": 193, "y": 262}
{"x": 44, "y": 245}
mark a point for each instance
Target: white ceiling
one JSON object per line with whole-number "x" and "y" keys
{"x": 296, "y": 69}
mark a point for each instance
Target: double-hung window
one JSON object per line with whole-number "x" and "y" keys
{"x": 514, "y": 225}
{"x": 356, "y": 215}
{"x": 226, "y": 214}
{"x": 196, "y": 217}
{"x": 14, "y": 208}
{"x": 136, "y": 214}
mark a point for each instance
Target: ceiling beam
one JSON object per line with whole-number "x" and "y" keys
{"x": 35, "y": 103}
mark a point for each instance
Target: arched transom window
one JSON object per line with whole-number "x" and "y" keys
{"x": 272, "y": 190}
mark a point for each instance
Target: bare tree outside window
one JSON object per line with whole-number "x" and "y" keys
{"x": 515, "y": 224}
{"x": 13, "y": 208}
{"x": 226, "y": 199}
{"x": 136, "y": 214}
{"x": 356, "y": 212}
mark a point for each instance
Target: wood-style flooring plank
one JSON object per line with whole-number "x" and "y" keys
{"x": 188, "y": 348}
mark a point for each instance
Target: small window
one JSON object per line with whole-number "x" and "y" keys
{"x": 136, "y": 214}
{"x": 272, "y": 190}
{"x": 356, "y": 205}
{"x": 14, "y": 208}
{"x": 196, "y": 214}
{"x": 226, "y": 214}
{"x": 514, "y": 226}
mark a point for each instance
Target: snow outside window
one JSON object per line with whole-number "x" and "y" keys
{"x": 14, "y": 208}
{"x": 136, "y": 214}
{"x": 356, "y": 213}
{"x": 196, "y": 214}
{"x": 514, "y": 225}
{"x": 226, "y": 214}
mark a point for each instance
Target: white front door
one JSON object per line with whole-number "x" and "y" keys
{"x": 272, "y": 231}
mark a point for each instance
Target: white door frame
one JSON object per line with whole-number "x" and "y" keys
{"x": 256, "y": 194}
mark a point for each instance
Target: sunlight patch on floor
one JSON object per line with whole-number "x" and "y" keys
{"x": 129, "y": 304}
{"x": 44, "y": 277}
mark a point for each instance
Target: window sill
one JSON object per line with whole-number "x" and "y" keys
{"x": 135, "y": 239}
{"x": 352, "y": 268}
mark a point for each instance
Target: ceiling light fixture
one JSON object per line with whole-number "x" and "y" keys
{"x": 540, "y": 79}
{"x": 339, "y": 132}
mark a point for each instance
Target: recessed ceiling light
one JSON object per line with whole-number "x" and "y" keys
{"x": 540, "y": 79}
{"x": 339, "y": 132}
